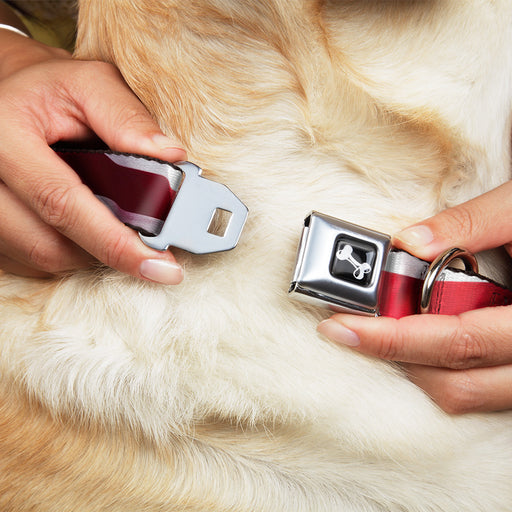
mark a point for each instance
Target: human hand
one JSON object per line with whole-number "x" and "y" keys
{"x": 463, "y": 362}
{"x": 49, "y": 221}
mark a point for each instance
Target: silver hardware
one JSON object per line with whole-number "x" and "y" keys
{"x": 326, "y": 239}
{"x": 187, "y": 225}
{"x": 438, "y": 265}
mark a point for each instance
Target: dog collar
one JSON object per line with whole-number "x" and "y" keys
{"x": 348, "y": 268}
{"x": 169, "y": 204}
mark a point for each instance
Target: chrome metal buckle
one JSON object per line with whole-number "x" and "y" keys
{"x": 339, "y": 265}
{"x": 188, "y": 224}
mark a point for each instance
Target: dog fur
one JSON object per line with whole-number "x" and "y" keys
{"x": 217, "y": 394}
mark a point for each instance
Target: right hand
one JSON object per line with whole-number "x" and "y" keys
{"x": 463, "y": 362}
{"x": 49, "y": 221}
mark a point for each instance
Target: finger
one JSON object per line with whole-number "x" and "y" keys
{"x": 117, "y": 116}
{"x": 58, "y": 197}
{"x": 477, "y": 338}
{"x": 14, "y": 267}
{"x": 27, "y": 242}
{"x": 462, "y": 391}
{"x": 476, "y": 225}
{"x": 59, "y": 101}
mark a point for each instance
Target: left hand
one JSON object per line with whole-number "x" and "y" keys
{"x": 463, "y": 362}
{"x": 50, "y": 222}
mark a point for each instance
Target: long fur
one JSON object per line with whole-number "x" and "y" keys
{"x": 217, "y": 394}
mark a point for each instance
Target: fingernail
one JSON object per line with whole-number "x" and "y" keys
{"x": 161, "y": 271}
{"x": 165, "y": 143}
{"x": 416, "y": 236}
{"x": 338, "y": 333}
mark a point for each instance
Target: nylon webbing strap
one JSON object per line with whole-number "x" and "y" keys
{"x": 139, "y": 191}
{"x": 454, "y": 291}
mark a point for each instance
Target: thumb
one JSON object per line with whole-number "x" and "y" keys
{"x": 119, "y": 118}
{"x": 479, "y": 224}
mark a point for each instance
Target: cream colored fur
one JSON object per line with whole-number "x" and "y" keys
{"x": 217, "y": 394}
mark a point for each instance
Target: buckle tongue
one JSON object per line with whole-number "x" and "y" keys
{"x": 339, "y": 265}
{"x": 188, "y": 223}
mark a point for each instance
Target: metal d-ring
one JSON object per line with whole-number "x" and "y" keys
{"x": 438, "y": 265}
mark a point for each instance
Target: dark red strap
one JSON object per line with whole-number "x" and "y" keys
{"x": 455, "y": 297}
{"x": 137, "y": 189}
{"x": 140, "y": 191}
{"x": 454, "y": 292}
{"x": 170, "y": 204}
{"x": 399, "y": 295}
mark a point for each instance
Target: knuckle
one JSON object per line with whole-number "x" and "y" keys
{"x": 60, "y": 53}
{"x": 115, "y": 251}
{"x": 54, "y": 203}
{"x": 460, "y": 394}
{"x": 43, "y": 257}
{"x": 98, "y": 69}
{"x": 79, "y": 85}
{"x": 461, "y": 220}
{"x": 389, "y": 346}
{"x": 105, "y": 67}
{"x": 130, "y": 118}
{"x": 386, "y": 349}
{"x": 465, "y": 349}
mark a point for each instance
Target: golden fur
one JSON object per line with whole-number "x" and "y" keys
{"x": 217, "y": 394}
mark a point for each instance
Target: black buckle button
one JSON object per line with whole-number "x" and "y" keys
{"x": 353, "y": 260}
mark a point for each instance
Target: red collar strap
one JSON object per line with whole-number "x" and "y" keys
{"x": 341, "y": 265}
{"x": 410, "y": 285}
{"x": 169, "y": 204}
{"x": 353, "y": 269}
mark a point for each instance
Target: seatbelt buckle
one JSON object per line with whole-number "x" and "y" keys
{"x": 351, "y": 269}
{"x": 199, "y": 201}
{"x": 339, "y": 265}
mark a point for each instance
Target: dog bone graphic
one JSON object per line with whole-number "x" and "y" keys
{"x": 345, "y": 254}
